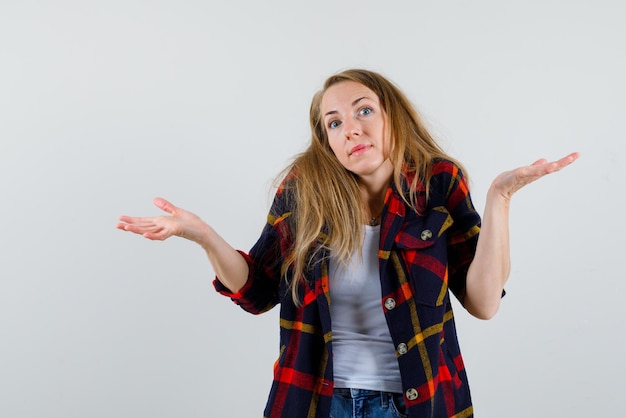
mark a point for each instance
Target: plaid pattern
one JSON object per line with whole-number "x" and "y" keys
{"x": 421, "y": 257}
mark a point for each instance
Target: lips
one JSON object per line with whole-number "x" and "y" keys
{"x": 359, "y": 149}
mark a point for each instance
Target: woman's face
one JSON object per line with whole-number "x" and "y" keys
{"x": 355, "y": 124}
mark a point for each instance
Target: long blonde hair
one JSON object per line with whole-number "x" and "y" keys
{"x": 328, "y": 207}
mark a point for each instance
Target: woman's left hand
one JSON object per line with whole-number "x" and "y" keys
{"x": 492, "y": 264}
{"x": 509, "y": 182}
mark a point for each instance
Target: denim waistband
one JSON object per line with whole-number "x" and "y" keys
{"x": 358, "y": 393}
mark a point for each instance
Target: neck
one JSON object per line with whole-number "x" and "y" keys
{"x": 373, "y": 191}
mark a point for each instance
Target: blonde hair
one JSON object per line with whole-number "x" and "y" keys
{"x": 328, "y": 207}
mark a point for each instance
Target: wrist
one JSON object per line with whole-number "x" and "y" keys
{"x": 497, "y": 199}
{"x": 496, "y": 194}
{"x": 203, "y": 236}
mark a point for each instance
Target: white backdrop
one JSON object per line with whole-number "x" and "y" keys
{"x": 104, "y": 105}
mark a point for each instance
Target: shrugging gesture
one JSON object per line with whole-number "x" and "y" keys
{"x": 369, "y": 150}
{"x": 491, "y": 266}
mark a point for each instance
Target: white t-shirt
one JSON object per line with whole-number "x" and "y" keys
{"x": 364, "y": 356}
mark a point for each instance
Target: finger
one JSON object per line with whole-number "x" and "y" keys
{"x": 542, "y": 167}
{"x": 164, "y": 205}
{"x": 131, "y": 220}
{"x": 562, "y": 163}
{"x": 120, "y": 226}
{"x": 152, "y": 236}
{"x": 130, "y": 228}
{"x": 159, "y": 234}
{"x": 139, "y": 229}
{"x": 568, "y": 159}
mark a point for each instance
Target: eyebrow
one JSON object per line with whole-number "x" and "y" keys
{"x": 354, "y": 103}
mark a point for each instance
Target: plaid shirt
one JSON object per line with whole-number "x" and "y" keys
{"x": 421, "y": 256}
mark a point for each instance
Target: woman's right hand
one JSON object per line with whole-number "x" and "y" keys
{"x": 229, "y": 265}
{"x": 179, "y": 222}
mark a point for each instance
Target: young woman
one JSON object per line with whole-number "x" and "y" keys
{"x": 370, "y": 229}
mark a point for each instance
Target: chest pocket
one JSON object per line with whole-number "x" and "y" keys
{"x": 423, "y": 250}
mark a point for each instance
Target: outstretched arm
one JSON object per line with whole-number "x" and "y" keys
{"x": 229, "y": 265}
{"x": 491, "y": 265}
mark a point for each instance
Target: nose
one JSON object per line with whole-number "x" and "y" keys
{"x": 352, "y": 128}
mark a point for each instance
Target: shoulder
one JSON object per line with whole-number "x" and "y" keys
{"x": 284, "y": 198}
{"x": 446, "y": 167}
{"x": 447, "y": 171}
{"x": 438, "y": 168}
{"x": 448, "y": 182}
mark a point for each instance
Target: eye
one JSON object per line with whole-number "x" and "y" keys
{"x": 365, "y": 111}
{"x": 333, "y": 124}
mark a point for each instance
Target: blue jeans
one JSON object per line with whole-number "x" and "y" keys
{"x": 360, "y": 403}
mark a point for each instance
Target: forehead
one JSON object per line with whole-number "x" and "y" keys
{"x": 343, "y": 94}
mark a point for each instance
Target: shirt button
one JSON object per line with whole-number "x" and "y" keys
{"x": 390, "y": 303}
{"x": 411, "y": 394}
{"x": 402, "y": 348}
{"x": 426, "y": 235}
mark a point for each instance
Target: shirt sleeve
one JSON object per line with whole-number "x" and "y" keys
{"x": 463, "y": 234}
{"x": 265, "y": 261}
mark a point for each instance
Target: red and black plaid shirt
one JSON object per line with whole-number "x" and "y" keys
{"x": 421, "y": 257}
